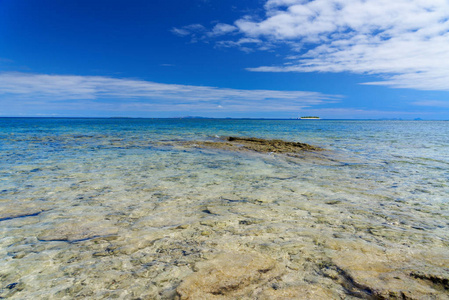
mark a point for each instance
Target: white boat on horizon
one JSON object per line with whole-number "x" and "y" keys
{"x": 309, "y": 118}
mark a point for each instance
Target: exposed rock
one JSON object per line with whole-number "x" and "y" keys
{"x": 78, "y": 231}
{"x": 254, "y": 144}
{"x": 279, "y": 146}
{"x": 229, "y": 275}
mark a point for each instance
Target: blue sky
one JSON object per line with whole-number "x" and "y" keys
{"x": 352, "y": 59}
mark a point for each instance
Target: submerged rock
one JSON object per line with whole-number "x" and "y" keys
{"x": 228, "y": 276}
{"x": 12, "y": 212}
{"x": 308, "y": 291}
{"x": 440, "y": 279}
{"x": 374, "y": 272}
{"x": 78, "y": 231}
{"x": 10, "y": 289}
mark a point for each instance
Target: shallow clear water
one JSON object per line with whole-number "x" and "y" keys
{"x": 116, "y": 208}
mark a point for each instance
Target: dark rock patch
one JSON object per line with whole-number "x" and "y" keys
{"x": 254, "y": 144}
{"x": 277, "y": 146}
{"x": 437, "y": 279}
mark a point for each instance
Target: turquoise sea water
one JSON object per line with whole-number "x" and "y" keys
{"x": 120, "y": 208}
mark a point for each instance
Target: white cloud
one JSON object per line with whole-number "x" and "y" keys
{"x": 189, "y": 30}
{"x": 180, "y": 31}
{"x": 106, "y": 93}
{"x": 221, "y": 29}
{"x": 198, "y": 32}
{"x": 244, "y": 44}
{"x": 404, "y": 41}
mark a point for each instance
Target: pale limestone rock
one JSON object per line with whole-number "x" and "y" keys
{"x": 309, "y": 292}
{"x": 229, "y": 275}
{"x": 371, "y": 271}
{"x": 11, "y": 211}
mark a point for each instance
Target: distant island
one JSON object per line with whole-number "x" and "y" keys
{"x": 309, "y": 118}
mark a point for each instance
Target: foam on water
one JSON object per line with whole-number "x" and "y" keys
{"x": 106, "y": 208}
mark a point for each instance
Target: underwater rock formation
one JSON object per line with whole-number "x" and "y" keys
{"x": 78, "y": 231}
{"x": 229, "y": 275}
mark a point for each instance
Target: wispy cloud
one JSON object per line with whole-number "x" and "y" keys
{"x": 114, "y": 94}
{"x": 354, "y": 113}
{"x": 406, "y": 42}
{"x": 221, "y": 29}
{"x": 194, "y": 31}
{"x": 432, "y": 103}
{"x": 197, "y": 32}
{"x": 245, "y": 44}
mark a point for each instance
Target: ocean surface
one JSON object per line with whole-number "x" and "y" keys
{"x": 122, "y": 208}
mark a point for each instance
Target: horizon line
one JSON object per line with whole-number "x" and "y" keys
{"x": 218, "y": 118}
